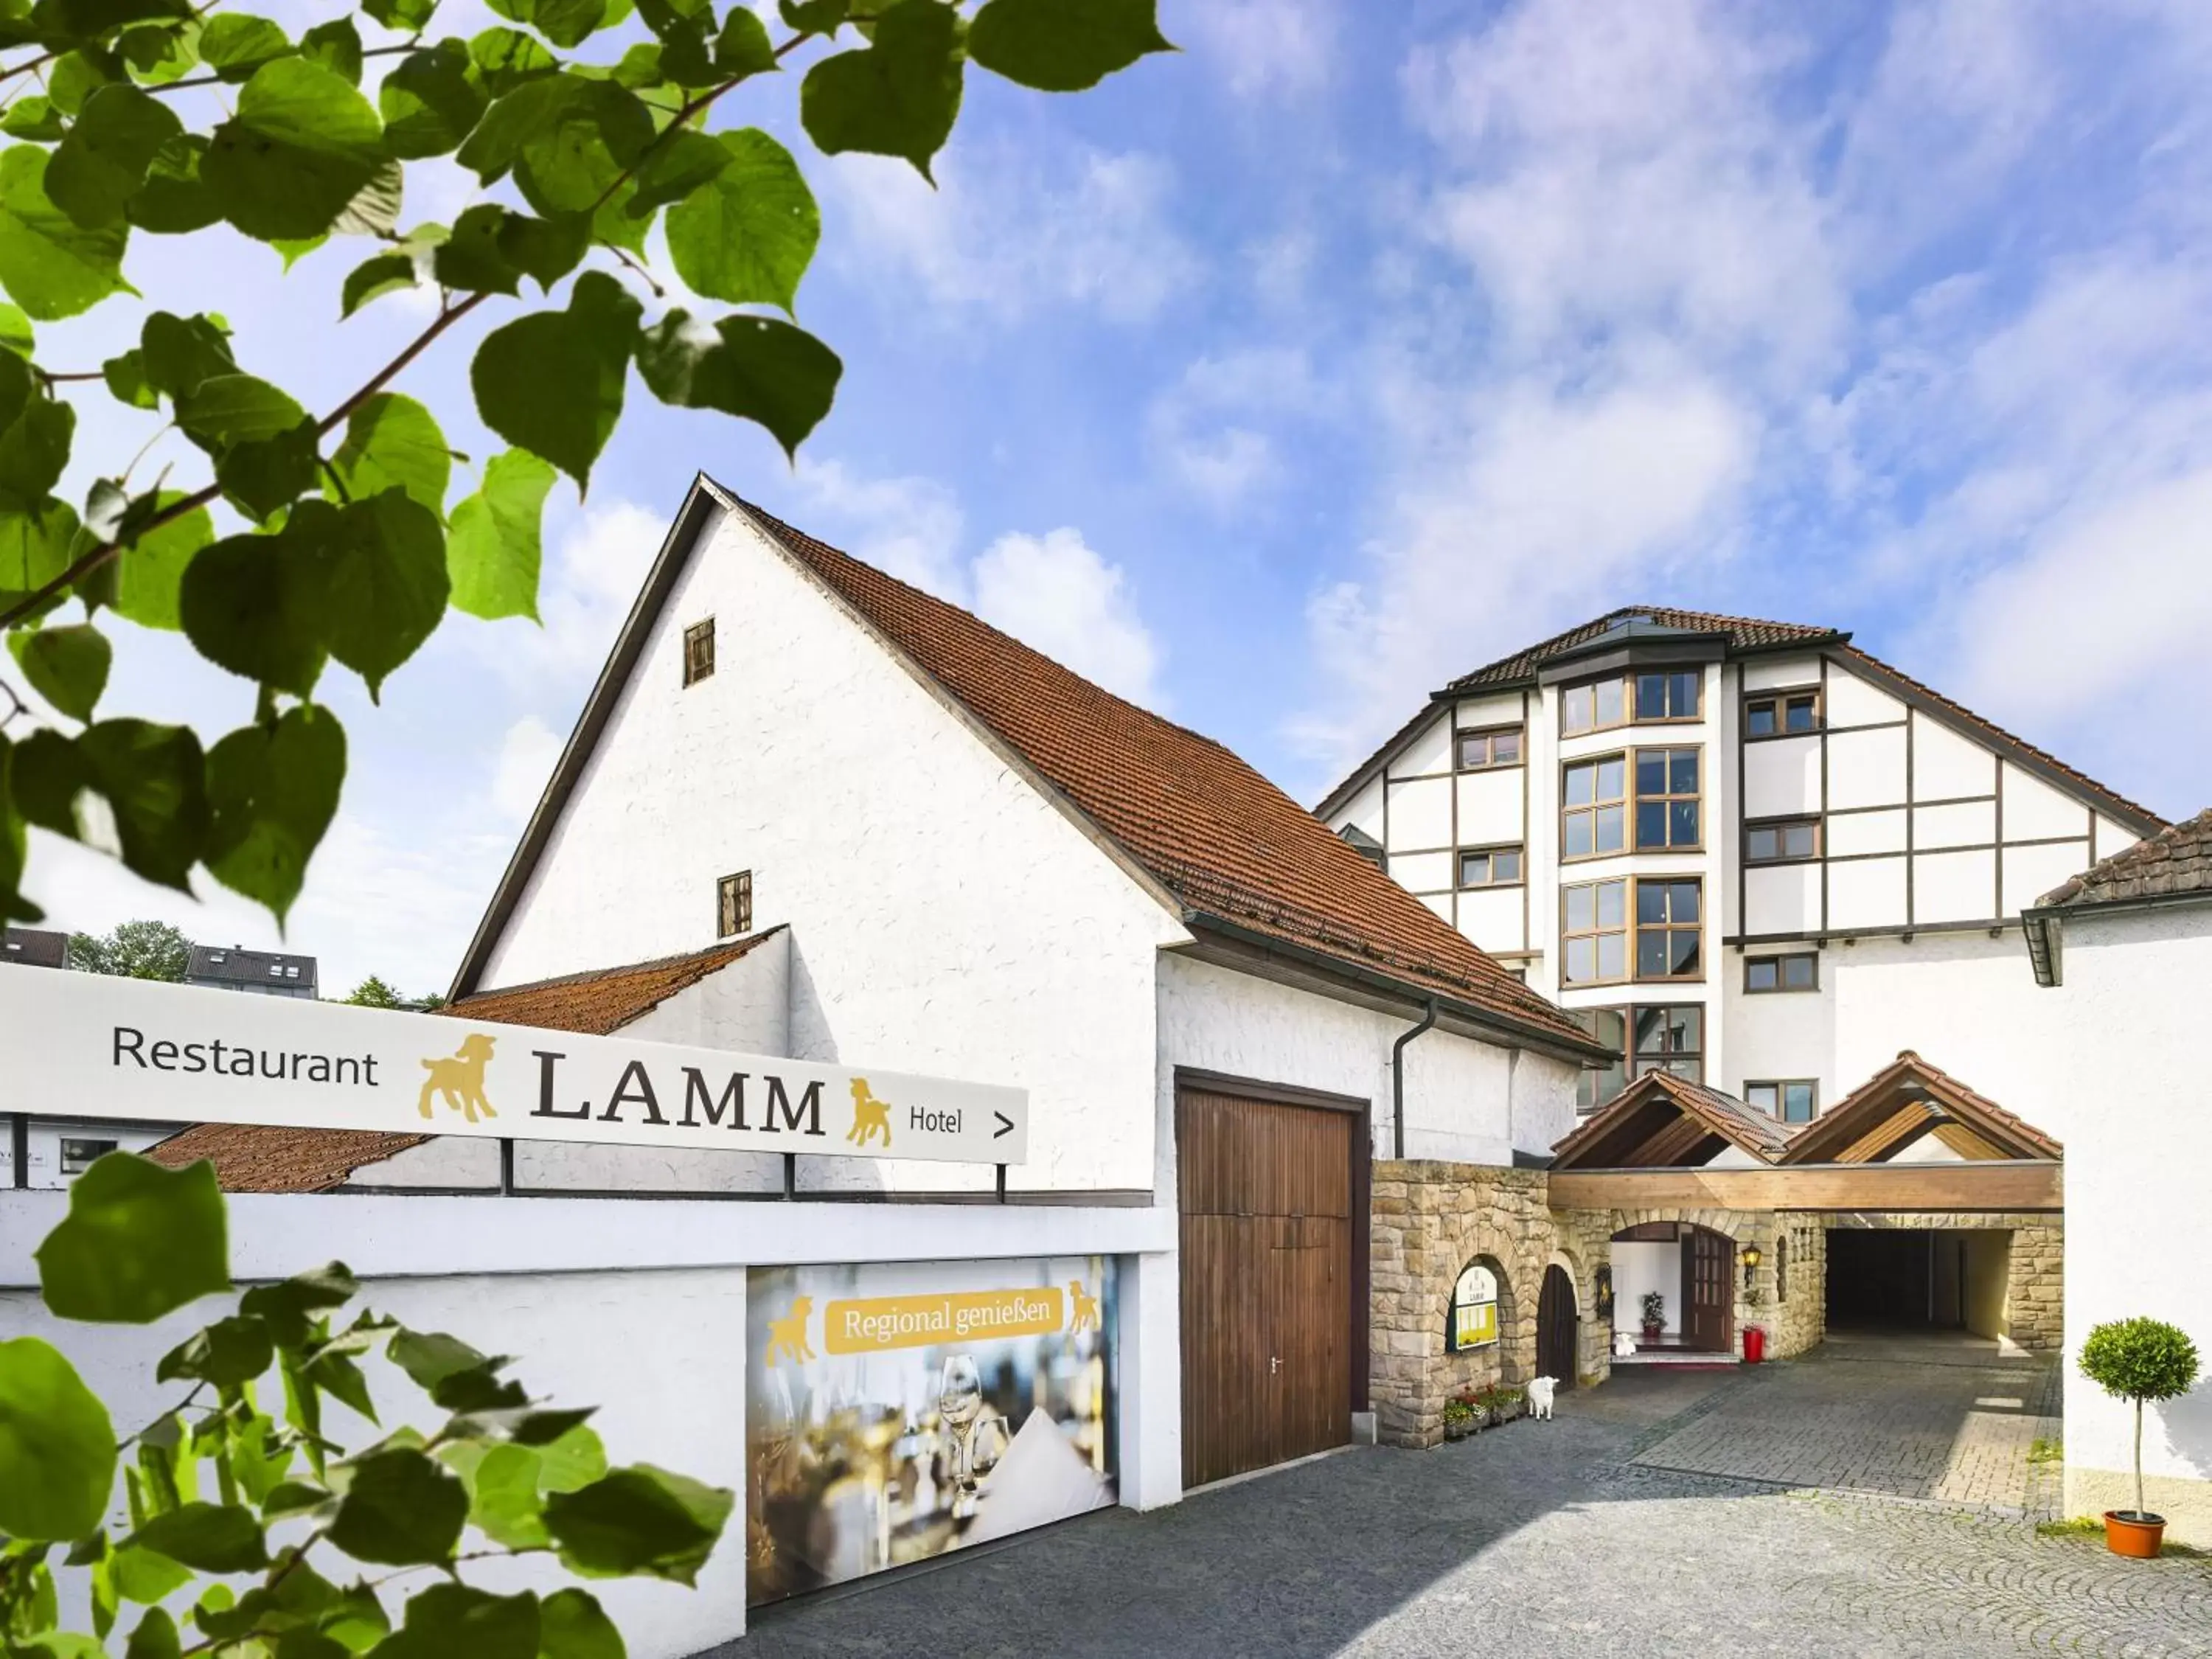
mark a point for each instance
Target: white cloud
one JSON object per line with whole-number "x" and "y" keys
{"x": 1208, "y": 431}
{"x": 1265, "y": 48}
{"x": 526, "y": 755}
{"x": 910, "y": 527}
{"x": 597, "y": 563}
{"x": 1055, "y": 593}
{"x": 1009, "y": 231}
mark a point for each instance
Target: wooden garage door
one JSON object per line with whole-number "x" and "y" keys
{"x": 1267, "y": 1209}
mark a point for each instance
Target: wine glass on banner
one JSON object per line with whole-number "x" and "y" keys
{"x": 959, "y": 1403}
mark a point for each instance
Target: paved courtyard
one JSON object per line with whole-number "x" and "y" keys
{"x": 1590, "y": 1535}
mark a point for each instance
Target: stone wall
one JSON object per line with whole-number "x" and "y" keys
{"x": 1793, "y": 1322}
{"x": 1432, "y": 1220}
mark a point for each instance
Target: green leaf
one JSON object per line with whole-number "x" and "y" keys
{"x": 126, "y": 377}
{"x": 505, "y": 1505}
{"x": 287, "y": 1306}
{"x": 494, "y": 552}
{"x": 50, "y": 264}
{"x": 755, "y": 367}
{"x": 564, "y": 23}
{"x": 430, "y": 1357}
{"x": 234, "y": 45}
{"x": 387, "y": 579}
{"x": 508, "y": 58}
{"x": 684, "y": 162}
{"x": 337, "y": 46}
{"x": 741, "y": 47}
{"x": 142, "y": 1575}
{"x": 34, "y": 450}
{"x": 572, "y": 1626}
{"x": 445, "y": 1620}
{"x": 392, "y": 441}
{"x": 898, "y": 95}
{"x": 67, "y": 666}
{"x": 568, "y": 139}
{"x": 640, "y": 1520}
{"x": 383, "y": 274}
{"x": 150, "y": 775}
{"x": 431, "y": 102}
{"x": 273, "y": 790}
{"x": 181, "y": 352}
{"x": 102, "y": 163}
{"x": 34, "y": 546}
{"x": 77, "y": 74}
{"x": 406, "y": 16}
{"x": 257, "y": 605}
{"x": 224, "y": 410}
{"x": 1063, "y": 46}
{"x": 207, "y": 1537}
{"x": 552, "y": 383}
{"x": 139, "y": 1241}
{"x": 230, "y": 1351}
{"x": 571, "y": 1461}
{"x": 174, "y": 201}
{"x": 400, "y": 1511}
{"x": 303, "y": 145}
{"x": 155, "y": 1638}
{"x": 813, "y": 16}
{"x": 57, "y": 1445}
{"x": 15, "y": 331}
{"x": 151, "y": 568}
{"x": 159, "y": 53}
{"x": 749, "y": 235}
{"x": 32, "y": 117}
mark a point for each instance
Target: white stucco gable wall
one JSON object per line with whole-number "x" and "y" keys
{"x": 1467, "y": 1101}
{"x": 946, "y": 917}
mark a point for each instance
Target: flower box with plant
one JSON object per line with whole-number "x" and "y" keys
{"x": 1459, "y": 1418}
{"x": 1655, "y": 1315}
{"x": 2135, "y": 1360}
{"x": 1506, "y": 1404}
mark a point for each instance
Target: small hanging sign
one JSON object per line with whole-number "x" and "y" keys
{"x": 1474, "y": 1309}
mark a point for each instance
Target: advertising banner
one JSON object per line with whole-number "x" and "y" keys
{"x": 87, "y": 1045}
{"x": 899, "y": 1411}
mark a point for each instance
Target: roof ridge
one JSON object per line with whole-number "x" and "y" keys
{"x": 650, "y": 963}
{"x": 2173, "y": 838}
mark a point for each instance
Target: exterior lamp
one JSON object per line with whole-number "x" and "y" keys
{"x": 1750, "y": 1259}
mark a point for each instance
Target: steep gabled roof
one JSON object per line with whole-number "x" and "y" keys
{"x": 1187, "y": 818}
{"x": 268, "y": 1158}
{"x": 2175, "y": 862}
{"x": 1741, "y": 635}
{"x": 1664, "y": 1122}
{"x": 1906, "y": 1100}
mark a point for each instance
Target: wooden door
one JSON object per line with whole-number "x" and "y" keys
{"x": 1708, "y": 1290}
{"x": 1556, "y": 1327}
{"x": 1266, "y": 1230}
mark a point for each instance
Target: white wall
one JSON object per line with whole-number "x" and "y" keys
{"x": 946, "y": 918}
{"x": 1467, "y": 1101}
{"x": 1637, "y": 1267}
{"x": 43, "y": 1165}
{"x": 2124, "y": 1033}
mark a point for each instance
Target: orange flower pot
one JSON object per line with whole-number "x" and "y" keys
{"x": 2127, "y": 1533}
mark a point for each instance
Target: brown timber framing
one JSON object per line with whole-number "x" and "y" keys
{"x": 1989, "y": 1185}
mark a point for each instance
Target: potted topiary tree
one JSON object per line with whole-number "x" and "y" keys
{"x": 2135, "y": 1360}
{"x": 1655, "y": 1315}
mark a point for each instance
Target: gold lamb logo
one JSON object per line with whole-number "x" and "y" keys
{"x": 871, "y": 1117}
{"x": 1084, "y": 1306}
{"x": 786, "y": 1337}
{"x": 460, "y": 1079}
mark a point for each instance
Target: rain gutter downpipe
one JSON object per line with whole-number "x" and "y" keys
{"x": 1398, "y": 1080}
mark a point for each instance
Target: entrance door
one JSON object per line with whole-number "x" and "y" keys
{"x": 1708, "y": 1290}
{"x": 1556, "y": 1326}
{"x": 1266, "y": 1230}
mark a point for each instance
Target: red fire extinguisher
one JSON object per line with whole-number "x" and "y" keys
{"x": 1755, "y": 1345}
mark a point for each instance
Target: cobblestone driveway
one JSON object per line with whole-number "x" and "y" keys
{"x": 1540, "y": 1542}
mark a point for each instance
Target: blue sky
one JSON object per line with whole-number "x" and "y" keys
{"x": 1276, "y": 382}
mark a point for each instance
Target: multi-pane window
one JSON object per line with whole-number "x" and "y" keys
{"x": 698, "y": 651}
{"x": 1790, "y": 1101}
{"x": 1800, "y": 970}
{"x": 78, "y": 1156}
{"x": 1594, "y": 936}
{"x": 733, "y": 905}
{"x": 1593, "y": 707}
{"x": 1666, "y": 798}
{"x": 1667, "y": 930}
{"x": 1781, "y": 714}
{"x": 1609, "y": 1026}
{"x": 1653, "y": 1037}
{"x": 1670, "y": 1037}
{"x": 1490, "y": 867}
{"x": 1594, "y": 807}
{"x": 1669, "y": 696}
{"x": 1480, "y": 749}
{"x": 1785, "y": 842}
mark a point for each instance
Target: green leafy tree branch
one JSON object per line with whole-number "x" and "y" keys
{"x": 313, "y": 540}
{"x": 218, "y": 1487}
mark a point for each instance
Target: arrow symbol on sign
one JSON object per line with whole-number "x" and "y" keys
{"x": 1006, "y": 1124}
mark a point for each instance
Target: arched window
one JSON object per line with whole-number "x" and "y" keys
{"x": 1474, "y": 1309}
{"x": 1782, "y": 1267}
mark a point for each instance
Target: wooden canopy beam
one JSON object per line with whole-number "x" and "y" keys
{"x": 2009, "y": 1185}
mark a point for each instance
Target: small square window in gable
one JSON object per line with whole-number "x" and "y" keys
{"x": 733, "y": 905}
{"x": 698, "y": 651}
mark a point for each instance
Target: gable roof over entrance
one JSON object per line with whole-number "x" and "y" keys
{"x": 1904, "y": 1101}
{"x": 1663, "y": 1121}
{"x": 1190, "y": 818}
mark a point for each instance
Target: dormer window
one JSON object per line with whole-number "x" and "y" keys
{"x": 1669, "y": 696}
